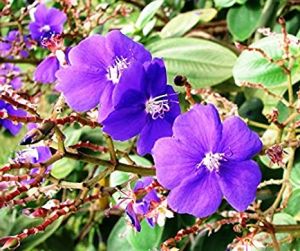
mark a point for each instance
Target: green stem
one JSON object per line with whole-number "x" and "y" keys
{"x": 111, "y": 149}
{"x": 143, "y": 171}
{"x": 286, "y": 228}
{"x": 290, "y": 89}
{"x": 20, "y": 61}
{"x": 257, "y": 124}
{"x": 286, "y": 178}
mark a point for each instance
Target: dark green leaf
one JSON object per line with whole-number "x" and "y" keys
{"x": 242, "y": 20}
{"x": 117, "y": 239}
{"x": 148, "y": 239}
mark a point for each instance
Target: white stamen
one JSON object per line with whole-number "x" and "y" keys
{"x": 115, "y": 70}
{"x": 45, "y": 28}
{"x": 158, "y": 106}
{"x": 212, "y": 161}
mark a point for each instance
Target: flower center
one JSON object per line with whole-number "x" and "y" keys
{"x": 45, "y": 28}
{"x": 158, "y": 106}
{"x": 212, "y": 161}
{"x": 115, "y": 70}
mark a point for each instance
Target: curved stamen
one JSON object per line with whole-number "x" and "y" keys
{"x": 115, "y": 70}
{"x": 157, "y": 107}
{"x": 212, "y": 161}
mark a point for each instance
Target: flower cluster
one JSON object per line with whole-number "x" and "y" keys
{"x": 46, "y": 22}
{"x": 146, "y": 203}
{"x": 38, "y": 154}
{"x": 213, "y": 160}
{"x": 47, "y": 28}
{"x": 13, "y": 128}
{"x": 10, "y": 75}
{"x": 15, "y": 44}
{"x": 129, "y": 88}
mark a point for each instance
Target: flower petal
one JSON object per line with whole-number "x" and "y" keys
{"x": 81, "y": 87}
{"x": 238, "y": 140}
{"x": 35, "y": 31}
{"x": 45, "y": 71}
{"x": 56, "y": 17}
{"x": 16, "y": 83}
{"x": 197, "y": 195}
{"x": 125, "y": 123}
{"x": 44, "y": 153}
{"x": 91, "y": 52}
{"x": 173, "y": 103}
{"x": 133, "y": 217}
{"x": 173, "y": 161}
{"x": 200, "y": 129}
{"x": 13, "y": 128}
{"x": 40, "y": 13}
{"x": 123, "y": 46}
{"x": 153, "y": 130}
{"x": 106, "y": 104}
{"x": 156, "y": 77}
{"x": 238, "y": 182}
{"x": 133, "y": 78}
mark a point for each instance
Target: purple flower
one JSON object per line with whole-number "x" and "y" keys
{"x": 147, "y": 108}
{"x": 45, "y": 71}
{"x": 11, "y": 45}
{"x": 12, "y": 127}
{"x": 206, "y": 160}
{"x": 9, "y": 75}
{"x": 143, "y": 204}
{"x": 38, "y": 154}
{"x": 46, "y": 21}
{"x": 96, "y": 67}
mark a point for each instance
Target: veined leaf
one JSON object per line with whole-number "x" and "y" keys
{"x": 147, "y": 13}
{"x": 203, "y": 62}
{"x": 182, "y": 23}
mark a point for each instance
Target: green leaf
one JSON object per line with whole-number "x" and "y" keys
{"x": 253, "y": 67}
{"x": 8, "y": 145}
{"x": 224, "y": 3}
{"x": 242, "y": 20}
{"x": 72, "y": 135}
{"x": 147, "y": 13}
{"x": 203, "y": 62}
{"x": 63, "y": 168}
{"x": 293, "y": 206}
{"x": 117, "y": 239}
{"x": 118, "y": 177}
{"x": 295, "y": 174}
{"x": 8, "y": 217}
{"x": 283, "y": 219}
{"x": 149, "y": 26}
{"x": 141, "y": 161}
{"x": 148, "y": 239}
{"x": 36, "y": 240}
{"x": 182, "y": 23}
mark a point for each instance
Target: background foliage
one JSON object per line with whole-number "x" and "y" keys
{"x": 202, "y": 40}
